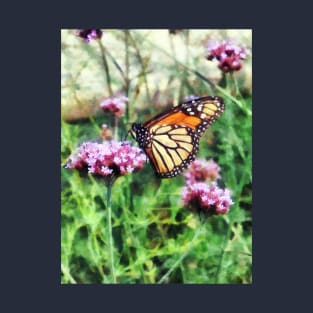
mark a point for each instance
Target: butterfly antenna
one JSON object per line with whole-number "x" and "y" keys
{"x": 126, "y": 135}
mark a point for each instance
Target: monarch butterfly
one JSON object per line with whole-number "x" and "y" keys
{"x": 171, "y": 139}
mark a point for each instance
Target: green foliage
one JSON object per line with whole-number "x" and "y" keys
{"x": 153, "y": 233}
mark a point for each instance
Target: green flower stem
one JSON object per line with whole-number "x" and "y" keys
{"x": 143, "y": 65}
{"x": 106, "y": 68}
{"x": 118, "y": 67}
{"x": 177, "y": 263}
{"x": 187, "y": 45}
{"x": 178, "y": 68}
{"x": 225, "y": 93}
{"x": 110, "y": 237}
{"x": 67, "y": 274}
{"x": 126, "y": 73}
{"x": 236, "y": 87}
{"x": 217, "y": 275}
{"x": 115, "y": 128}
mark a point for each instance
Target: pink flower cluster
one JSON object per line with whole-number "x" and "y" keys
{"x": 115, "y": 105}
{"x": 201, "y": 171}
{"x": 107, "y": 159}
{"x": 209, "y": 199}
{"x": 201, "y": 197}
{"x": 228, "y": 54}
{"x": 89, "y": 34}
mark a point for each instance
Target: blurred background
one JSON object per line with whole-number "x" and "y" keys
{"x": 155, "y": 70}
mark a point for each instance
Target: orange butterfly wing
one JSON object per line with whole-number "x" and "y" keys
{"x": 178, "y": 118}
{"x": 174, "y": 135}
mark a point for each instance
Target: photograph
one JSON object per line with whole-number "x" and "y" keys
{"x": 156, "y": 156}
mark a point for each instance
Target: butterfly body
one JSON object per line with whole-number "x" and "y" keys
{"x": 171, "y": 139}
{"x": 141, "y": 134}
